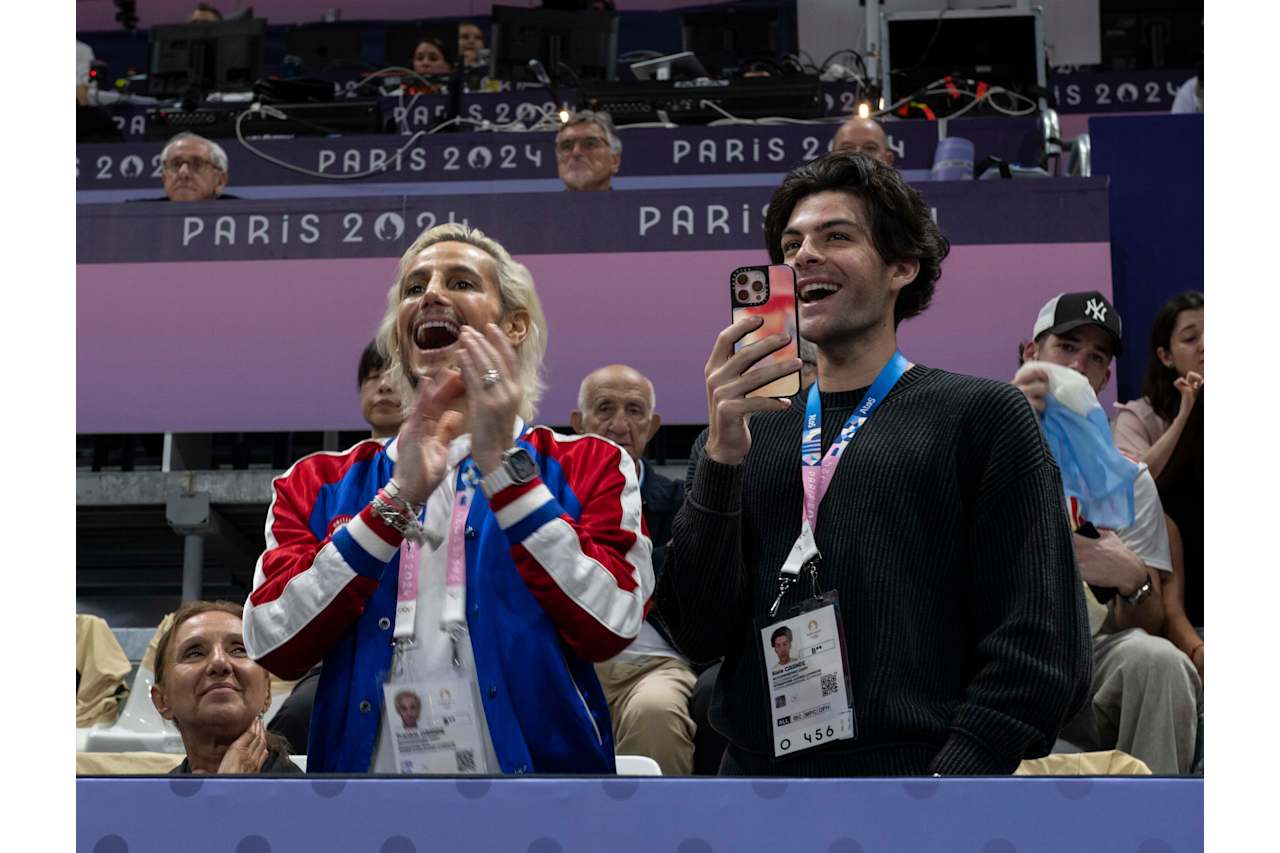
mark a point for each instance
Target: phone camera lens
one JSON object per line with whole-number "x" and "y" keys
{"x": 742, "y": 278}
{"x": 757, "y": 286}
{"x": 743, "y": 296}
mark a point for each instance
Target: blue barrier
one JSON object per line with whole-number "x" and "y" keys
{"x": 681, "y": 815}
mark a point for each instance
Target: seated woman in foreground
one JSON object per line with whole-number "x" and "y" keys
{"x": 209, "y": 688}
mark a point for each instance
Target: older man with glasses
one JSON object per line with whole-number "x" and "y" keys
{"x": 194, "y": 169}
{"x": 588, "y": 152}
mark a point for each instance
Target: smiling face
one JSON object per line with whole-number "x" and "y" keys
{"x": 428, "y": 58}
{"x": 1185, "y": 352}
{"x": 846, "y": 289}
{"x": 209, "y": 683}
{"x": 190, "y": 173}
{"x": 449, "y": 285}
{"x": 618, "y": 405}
{"x": 584, "y": 159}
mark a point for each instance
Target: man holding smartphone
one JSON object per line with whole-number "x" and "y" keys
{"x": 936, "y": 615}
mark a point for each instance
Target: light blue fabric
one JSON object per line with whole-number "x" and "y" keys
{"x": 1093, "y": 471}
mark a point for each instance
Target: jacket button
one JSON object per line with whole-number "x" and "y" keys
{"x": 470, "y": 532}
{"x": 365, "y": 707}
{"x": 493, "y": 692}
{"x": 384, "y": 623}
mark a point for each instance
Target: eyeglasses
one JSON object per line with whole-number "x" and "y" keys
{"x": 193, "y": 164}
{"x": 588, "y": 143}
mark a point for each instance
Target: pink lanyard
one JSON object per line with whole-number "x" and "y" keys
{"x": 817, "y": 470}
{"x": 453, "y": 614}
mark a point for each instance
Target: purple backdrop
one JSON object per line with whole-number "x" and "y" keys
{"x": 100, "y": 14}
{"x": 171, "y": 347}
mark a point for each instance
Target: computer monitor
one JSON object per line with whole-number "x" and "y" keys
{"x": 999, "y": 47}
{"x": 676, "y": 66}
{"x": 325, "y": 46}
{"x": 570, "y": 45}
{"x": 217, "y": 57}
{"x": 726, "y": 39}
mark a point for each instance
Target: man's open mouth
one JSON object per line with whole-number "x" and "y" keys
{"x": 817, "y": 291}
{"x": 436, "y": 333}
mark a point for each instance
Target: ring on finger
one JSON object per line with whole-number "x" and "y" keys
{"x": 490, "y": 378}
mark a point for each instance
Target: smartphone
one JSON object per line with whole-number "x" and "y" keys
{"x": 768, "y": 292}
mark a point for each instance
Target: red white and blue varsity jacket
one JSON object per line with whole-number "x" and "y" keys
{"x": 559, "y": 575}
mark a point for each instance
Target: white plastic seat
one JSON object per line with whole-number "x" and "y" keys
{"x": 636, "y": 765}
{"x": 139, "y": 728}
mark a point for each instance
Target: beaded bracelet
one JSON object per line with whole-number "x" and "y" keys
{"x": 397, "y": 519}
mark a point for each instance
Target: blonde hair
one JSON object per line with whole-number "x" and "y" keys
{"x": 515, "y": 290}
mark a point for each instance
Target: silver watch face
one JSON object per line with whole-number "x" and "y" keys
{"x": 521, "y": 465}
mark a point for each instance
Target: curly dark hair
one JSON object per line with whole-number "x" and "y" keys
{"x": 1157, "y": 382}
{"x": 901, "y": 225}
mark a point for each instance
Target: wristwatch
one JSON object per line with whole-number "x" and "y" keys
{"x": 1135, "y": 598}
{"x": 517, "y": 468}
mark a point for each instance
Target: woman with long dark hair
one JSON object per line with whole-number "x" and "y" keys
{"x": 1148, "y": 428}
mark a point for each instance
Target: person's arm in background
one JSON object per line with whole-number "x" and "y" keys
{"x": 1177, "y": 627}
{"x": 1157, "y": 453}
{"x": 1146, "y": 543}
{"x": 1107, "y": 562}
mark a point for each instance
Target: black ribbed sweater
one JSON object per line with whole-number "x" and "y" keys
{"x": 945, "y": 534}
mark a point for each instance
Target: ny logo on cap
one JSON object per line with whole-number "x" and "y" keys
{"x": 1096, "y": 309}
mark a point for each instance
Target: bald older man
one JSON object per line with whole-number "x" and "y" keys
{"x": 648, "y": 685}
{"x": 865, "y": 136}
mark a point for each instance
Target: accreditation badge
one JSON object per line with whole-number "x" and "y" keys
{"x": 434, "y": 726}
{"x": 807, "y": 675}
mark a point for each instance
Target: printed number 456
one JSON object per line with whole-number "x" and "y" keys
{"x": 819, "y": 734}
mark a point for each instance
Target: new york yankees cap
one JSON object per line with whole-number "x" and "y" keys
{"x": 1068, "y": 311}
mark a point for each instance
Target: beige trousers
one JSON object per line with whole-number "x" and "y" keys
{"x": 649, "y": 703}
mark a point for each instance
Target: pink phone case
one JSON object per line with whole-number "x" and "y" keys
{"x": 768, "y": 292}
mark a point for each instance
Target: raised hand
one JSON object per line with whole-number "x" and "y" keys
{"x": 1189, "y": 387}
{"x": 423, "y": 444}
{"x": 1033, "y": 382}
{"x": 730, "y": 378}
{"x": 248, "y": 752}
{"x": 494, "y": 394}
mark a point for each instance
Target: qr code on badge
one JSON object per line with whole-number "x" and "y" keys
{"x": 466, "y": 761}
{"x": 830, "y": 683}
{"x": 780, "y": 701}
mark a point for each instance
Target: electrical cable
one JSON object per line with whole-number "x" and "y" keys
{"x": 267, "y": 110}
